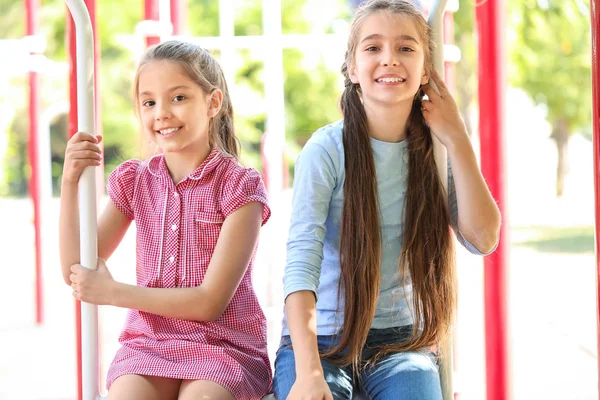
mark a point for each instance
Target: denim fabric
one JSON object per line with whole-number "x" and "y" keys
{"x": 398, "y": 376}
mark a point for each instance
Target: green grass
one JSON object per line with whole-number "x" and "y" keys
{"x": 549, "y": 239}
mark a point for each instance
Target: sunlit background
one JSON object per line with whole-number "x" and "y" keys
{"x": 552, "y": 299}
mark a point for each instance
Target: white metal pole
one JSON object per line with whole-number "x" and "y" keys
{"x": 273, "y": 147}
{"x": 164, "y": 18}
{"x": 87, "y": 193}
{"x": 274, "y": 95}
{"x": 435, "y": 20}
{"x": 227, "y": 34}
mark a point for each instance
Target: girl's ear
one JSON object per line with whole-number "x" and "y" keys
{"x": 424, "y": 79}
{"x": 215, "y": 102}
{"x": 352, "y": 74}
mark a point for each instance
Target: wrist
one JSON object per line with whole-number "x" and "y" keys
{"x": 116, "y": 294}
{"x": 458, "y": 143}
{"x": 309, "y": 368}
{"x": 67, "y": 184}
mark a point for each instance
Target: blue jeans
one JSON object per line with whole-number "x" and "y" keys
{"x": 398, "y": 376}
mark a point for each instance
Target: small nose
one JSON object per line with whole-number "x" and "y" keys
{"x": 162, "y": 111}
{"x": 389, "y": 58}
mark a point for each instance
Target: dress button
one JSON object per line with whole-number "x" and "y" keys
{"x": 174, "y": 227}
{"x": 175, "y": 194}
{"x": 172, "y": 258}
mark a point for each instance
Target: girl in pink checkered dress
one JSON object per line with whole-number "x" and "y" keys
{"x": 194, "y": 327}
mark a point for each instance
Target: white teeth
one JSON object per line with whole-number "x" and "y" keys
{"x": 167, "y": 131}
{"x": 389, "y": 80}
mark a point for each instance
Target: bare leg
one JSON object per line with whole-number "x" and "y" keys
{"x": 142, "y": 387}
{"x": 203, "y": 390}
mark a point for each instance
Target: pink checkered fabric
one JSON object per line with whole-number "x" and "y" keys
{"x": 177, "y": 230}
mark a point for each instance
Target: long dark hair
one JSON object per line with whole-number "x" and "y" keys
{"x": 427, "y": 253}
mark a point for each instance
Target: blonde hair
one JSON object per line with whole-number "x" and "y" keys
{"x": 201, "y": 67}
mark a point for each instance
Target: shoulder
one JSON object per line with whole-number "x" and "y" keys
{"x": 127, "y": 172}
{"x": 130, "y": 167}
{"x": 329, "y": 137}
{"x": 234, "y": 173}
{"x": 239, "y": 186}
{"x": 325, "y": 148}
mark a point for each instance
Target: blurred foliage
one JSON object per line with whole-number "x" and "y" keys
{"x": 549, "y": 42}
{"x": 312, "y": 87}
{"x": 549, "y": 239}
{"x": 465, "y": 85}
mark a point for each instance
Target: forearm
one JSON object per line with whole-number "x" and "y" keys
{"x": 68, "y": 236}
{"x": 302, "y": 320}
{"x": 478, "y": 215}
{"x": 192, "y": 304}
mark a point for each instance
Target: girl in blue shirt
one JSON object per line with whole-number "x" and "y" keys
{"x": 370, "y": 284}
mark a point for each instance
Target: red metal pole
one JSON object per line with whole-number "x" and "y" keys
{"x": 151, "y": 13}
{"x": 178, "y": 14}
{"x": 490, "y": 25}
{"x": 32, "y": 24}
{"x": 595, "y": 25}
{"x": 72, "y": 129}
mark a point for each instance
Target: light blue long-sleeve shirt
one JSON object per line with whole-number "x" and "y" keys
{"x": 313, "y": 242}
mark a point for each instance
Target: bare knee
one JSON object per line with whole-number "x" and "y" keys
{"x": 200, "y": 390}
{"x": 143, "y": 387}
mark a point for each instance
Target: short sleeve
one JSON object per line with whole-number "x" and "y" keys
{"x": 244, "y": 186}
{"x": 121, "y": 185}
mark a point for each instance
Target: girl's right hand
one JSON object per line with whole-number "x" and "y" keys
{"x": 83, "y": 151}
{"x": 310, "y": 388}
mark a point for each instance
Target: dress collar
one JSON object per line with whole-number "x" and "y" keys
{"x": 158, "y": 166}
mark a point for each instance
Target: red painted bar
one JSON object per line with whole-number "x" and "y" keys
{"x": 32, "y": 23}
{"x": 178, "y": 16}
{"x": 595, "y": 25}
{"x": 151, "y": 13}
{"x": 490, "y": 25}
{"x": 71, "y": 130}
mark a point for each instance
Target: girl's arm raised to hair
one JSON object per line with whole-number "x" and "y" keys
{"x": 478, "y": 215}
{"x": 227, "y": 267}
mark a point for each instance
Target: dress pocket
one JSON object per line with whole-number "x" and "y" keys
{"x": 208, "y": 227}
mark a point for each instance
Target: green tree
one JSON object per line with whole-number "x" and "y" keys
{"x": 550, "y": 60}
{"x": 117, "y": 64}
{"x": 465, "y": 90}
{"x": 311, "y": 93}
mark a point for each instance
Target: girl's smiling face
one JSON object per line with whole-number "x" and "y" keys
{"x": 174, "y": 110}
{"x": 388, "y": 62}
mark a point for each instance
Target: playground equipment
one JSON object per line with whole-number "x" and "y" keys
{"x": 489, "y": 18}
{"x": 595, "y": 21}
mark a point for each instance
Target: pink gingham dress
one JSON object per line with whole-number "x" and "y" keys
{"x": 177, "y": 230}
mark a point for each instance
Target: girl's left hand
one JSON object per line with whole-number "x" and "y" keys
{"x": 92, "y": 286}
{"x": 441, "y": 113}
